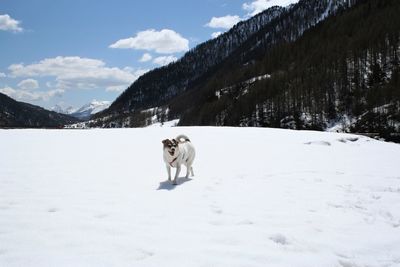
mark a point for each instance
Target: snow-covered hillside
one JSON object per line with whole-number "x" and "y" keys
{"x": 260, "y": 197}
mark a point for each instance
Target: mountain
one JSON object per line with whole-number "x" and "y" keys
{"x": 86, "y": 111}
{"x": 62, "y": 110}
{"x": 309, "y": 66}
{"x": 344, "y": 70}
{"x": 156, "y": 88}
{"x": 162, "y": 84}
{"x": 24, "y": 115}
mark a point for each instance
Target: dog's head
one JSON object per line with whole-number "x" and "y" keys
{"x": 170, "y": 146}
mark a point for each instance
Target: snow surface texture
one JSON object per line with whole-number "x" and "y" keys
{"x": 260, "y": 197}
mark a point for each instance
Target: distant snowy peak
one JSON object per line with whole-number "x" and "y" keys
{"x": 94, "y": 106}
{"x": 63, "y": 110}
{"x": 83, "y": 112}
{"x": 91, "y": 108}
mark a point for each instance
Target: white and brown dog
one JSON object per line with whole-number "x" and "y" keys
{"x": 178, "y": 151}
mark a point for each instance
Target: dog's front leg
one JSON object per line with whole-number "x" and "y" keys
{"x": 169, "y": 172}
{"x": 178, "y": 170}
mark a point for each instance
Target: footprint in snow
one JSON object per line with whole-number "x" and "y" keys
{"x": 321, "y": 143}
{"x": 392, "y": 190}
{"x": 334, "y": 205}
{"x": 396, "y": 224}
{"x": 52, "y": 210}
{"x": 390, "y": 219}
{"x": 342, "y": 255}
{"x": 279, "y": 239}
{"x": 344, "y": 263}
{"x": 348, "y": 139}
{"x": 142, "y": 254}
{"x": 360, "y": 207}
{"x": 245, "y": 222}
{"x": 376, "y": 197}
{"x": 216, "y": 210}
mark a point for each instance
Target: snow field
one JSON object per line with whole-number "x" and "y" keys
{"x": 260, "y": 197}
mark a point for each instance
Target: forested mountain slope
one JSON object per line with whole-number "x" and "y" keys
{"x": 24, "y": 115}
{"x": 346, "y": 67}
{"x": 316, "y": 64}
{"x": 275, "y": 25}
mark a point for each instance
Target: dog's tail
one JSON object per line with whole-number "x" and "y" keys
{"x": 183, "y": 137}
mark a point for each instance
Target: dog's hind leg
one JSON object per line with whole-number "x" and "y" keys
{"x": 189, "y": 170}
{"x": 188, "y": 167}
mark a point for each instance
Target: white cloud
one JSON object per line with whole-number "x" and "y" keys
{"x": 27, "y": 96}
{"x": 9, "y": 24}
{"x": 78, "y": 73}
{"x": 225, "y": 22}
{"x": 2, "y": 75}
{"x": 58, "y": 66}
{"x": 28, "y": 84}
{"x": 258, "y": 6}
{"x": 165, "y": 60}
{"x": 164, "y": 42}
{"x": 146, "y": 57}
{"x": 117, "y": 88}
{"x": 216, "y": 34}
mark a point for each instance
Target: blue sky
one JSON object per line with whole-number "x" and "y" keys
{"x": 72, "y": 52}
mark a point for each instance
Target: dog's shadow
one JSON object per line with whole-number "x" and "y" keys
{"x": 167, "y": 185}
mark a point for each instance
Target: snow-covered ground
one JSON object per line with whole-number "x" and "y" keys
{"x": 260, "y": 197}
{"x": 172, "y": 123}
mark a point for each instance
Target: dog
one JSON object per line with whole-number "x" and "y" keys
{"x": 177, "y": 152}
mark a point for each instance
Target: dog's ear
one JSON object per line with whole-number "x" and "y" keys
{"x": 175, "y": 142}
{"x": 164, "y": 141}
